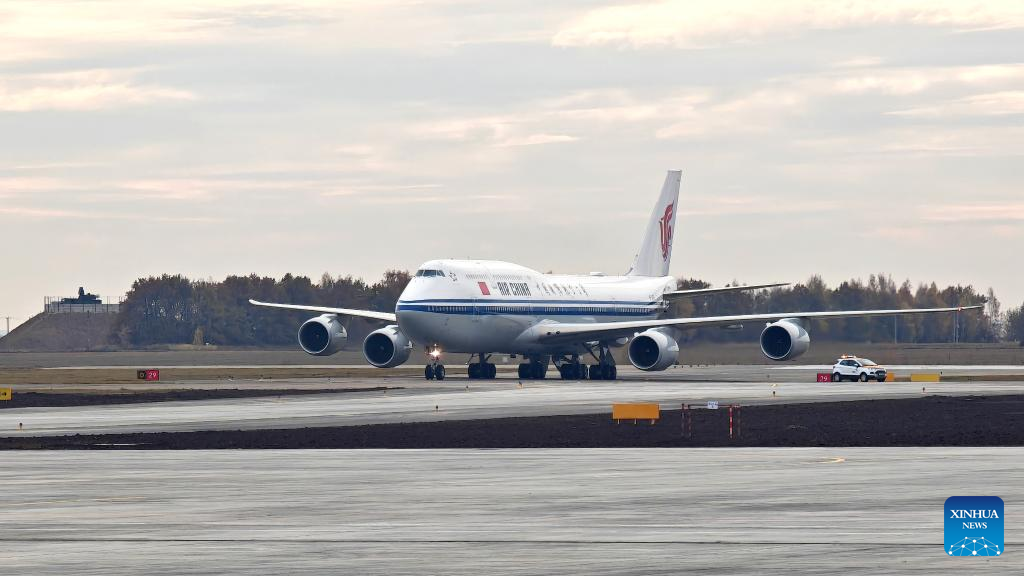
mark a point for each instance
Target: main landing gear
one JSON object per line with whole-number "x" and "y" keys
{"x": 535, "y": 369}
{"x": 482, "y": 370}
{"x": 434, "y": 370}
{"x": 570, "y": 368}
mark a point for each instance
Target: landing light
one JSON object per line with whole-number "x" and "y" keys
{"x": 436, "y": 353}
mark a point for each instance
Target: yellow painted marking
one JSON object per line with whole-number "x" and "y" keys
{"x": 925, "y": 377}
{"x": 6, "y": 393}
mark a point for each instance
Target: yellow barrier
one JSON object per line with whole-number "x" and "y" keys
{"x": 924, "y": 377}
{"x": 6, "y": 393}
{"x": 650, "y": 412}
{"x": 890, "y": 377}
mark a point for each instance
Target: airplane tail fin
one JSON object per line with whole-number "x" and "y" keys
{"x": 656, "y": 251}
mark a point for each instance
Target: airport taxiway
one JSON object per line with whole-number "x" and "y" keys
{"x": 597, "y": 511}
{"x": 462, "y": 399}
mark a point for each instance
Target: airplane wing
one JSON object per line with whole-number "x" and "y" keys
{"x": 677, "y": 294}
{"x": 369, "y": 314}
{"x": 555, "y": 332}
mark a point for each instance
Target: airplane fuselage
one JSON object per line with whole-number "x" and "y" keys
{"x": 477, "y": 306}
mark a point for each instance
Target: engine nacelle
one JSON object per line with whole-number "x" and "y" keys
{"x": 653, "y": 350}
{"x": 387, "y": 347}
{"x": 784, "y": 340}
{"x": 323, "y": 335}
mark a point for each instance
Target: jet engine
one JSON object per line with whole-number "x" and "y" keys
{"x": 387, "y": 347}
{"x": 784, "y": 340}
{"x": 323, "y": 335}
{"x": 653, "y": 350}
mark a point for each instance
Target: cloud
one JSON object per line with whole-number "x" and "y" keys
{"x": 81, "y": 90}
{"x": 991, "y": 104}
{"x": 368, "y": 190}
{"x": 686, "y": 24}
{"x": 747, "y": 205}
{"x": 56, "y": 214}
{"x": 536, "y": 139}
{"x": 48, "y": 30}
{"x": 975, "y": 212}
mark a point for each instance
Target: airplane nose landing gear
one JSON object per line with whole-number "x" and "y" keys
{"x": 434, "y": 370}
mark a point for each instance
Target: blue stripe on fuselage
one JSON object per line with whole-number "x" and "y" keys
{"x": 498, "y": 309}
{"x": 533, "y": 301}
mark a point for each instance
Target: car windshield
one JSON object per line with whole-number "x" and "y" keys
{"x": 866, "y": 362}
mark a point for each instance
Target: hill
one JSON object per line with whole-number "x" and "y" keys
{"x": 61, "y": 333}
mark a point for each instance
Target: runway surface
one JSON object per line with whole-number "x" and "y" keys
{"x": 598, "y": 511}
{"x": 462, "y": 399}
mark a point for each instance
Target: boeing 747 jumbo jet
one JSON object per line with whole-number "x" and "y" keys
{"x": 483, "y": 307}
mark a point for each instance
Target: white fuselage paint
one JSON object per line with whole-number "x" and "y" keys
{"x": 452, "y": 311}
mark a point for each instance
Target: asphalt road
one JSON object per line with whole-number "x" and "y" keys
{"x": 597, "y": 511}
{"x": 462, "y": 399}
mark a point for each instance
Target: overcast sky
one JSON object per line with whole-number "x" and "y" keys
{"x": 214, "y": 138}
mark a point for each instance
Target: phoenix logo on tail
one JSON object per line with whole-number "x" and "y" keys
{"x": 666, "y": 231}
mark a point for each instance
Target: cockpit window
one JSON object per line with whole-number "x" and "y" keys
{"x": 429, "y": 273}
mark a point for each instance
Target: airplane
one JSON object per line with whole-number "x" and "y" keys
{"x": 486, "y": 307}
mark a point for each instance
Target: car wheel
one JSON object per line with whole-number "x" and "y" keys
{"x": 836, "y": 377}
{"x": 863, "y": 376}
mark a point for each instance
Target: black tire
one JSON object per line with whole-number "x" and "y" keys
{"x": 606, "y": 373}
{"x": 537, "y": 370}
{"x": 474, "y": 371}
{"x": 428, "y": 372}
{"x": 491, "y": 372}
{"x": 836, "y": 377}
{"x": 863, "y": 376}
{"x": 439, "y": 372}
{"x": 614, "y": 373}
{"x": 524, "y": 371}
{"x": 595, "y": 372}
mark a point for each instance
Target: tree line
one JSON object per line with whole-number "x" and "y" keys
{"x": 172, "y": 309}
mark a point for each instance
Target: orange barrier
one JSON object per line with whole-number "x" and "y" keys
{"x": 636, "y": 412}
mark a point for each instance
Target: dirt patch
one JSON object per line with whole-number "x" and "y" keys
{"x": 44, "y": 399}
{"x": 128, "y": 376}
{"x": 928, "y": 421}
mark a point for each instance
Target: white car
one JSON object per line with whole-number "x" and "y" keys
{"x": 854, "y": 368}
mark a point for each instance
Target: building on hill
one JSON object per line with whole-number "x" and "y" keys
{"x": 84, "y": 303}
